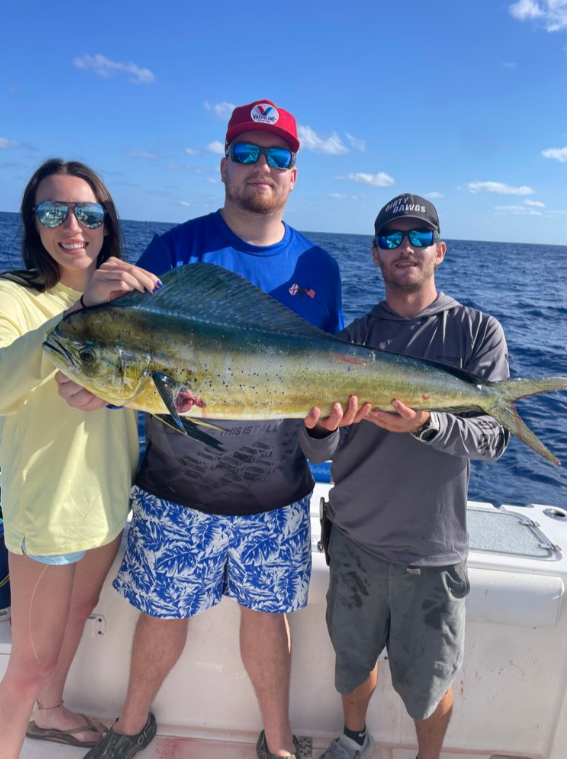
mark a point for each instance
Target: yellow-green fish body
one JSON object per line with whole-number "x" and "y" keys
{"x": 210, "y": 345}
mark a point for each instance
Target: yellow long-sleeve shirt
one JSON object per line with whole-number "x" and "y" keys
{"x": 66, "y": 474}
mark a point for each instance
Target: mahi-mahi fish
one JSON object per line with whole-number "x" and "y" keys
{"x": 211, "y": 345}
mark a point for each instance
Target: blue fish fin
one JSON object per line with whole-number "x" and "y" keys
{"x": 209, "y": 294}
{"x": 166, "y": 386}
{"x": 191, "y": 429}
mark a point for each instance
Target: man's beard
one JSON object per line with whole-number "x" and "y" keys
{"x": 257, "y": 202}
{"x": 400, "y": 286}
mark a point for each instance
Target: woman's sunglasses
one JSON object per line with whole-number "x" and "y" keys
{"x": 52, "y": 213}
{"x": 419, "y": 238}
{"x": 277, "y": 158}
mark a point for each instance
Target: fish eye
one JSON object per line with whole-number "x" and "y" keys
{"x": 87, "y": 355}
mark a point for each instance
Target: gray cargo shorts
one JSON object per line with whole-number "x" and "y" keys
{"x": 418, "y": 615}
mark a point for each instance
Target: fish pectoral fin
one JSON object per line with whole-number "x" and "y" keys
{"x": 191, "y": 429}
{"x": 202, "y": 423}
{"x": 166, "y": 388}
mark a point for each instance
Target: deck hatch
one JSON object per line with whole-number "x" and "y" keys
{"x": 501, "y": 532}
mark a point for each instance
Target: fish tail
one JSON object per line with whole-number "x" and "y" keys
{"x": 504, "y": 410}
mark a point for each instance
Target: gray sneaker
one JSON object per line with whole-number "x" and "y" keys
{"x": 346, "y": 748}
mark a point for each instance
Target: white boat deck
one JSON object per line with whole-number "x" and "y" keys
{"x": 160, "y": 748}
{"x": 190, "y": 748}
{"x": 510, "y": 696}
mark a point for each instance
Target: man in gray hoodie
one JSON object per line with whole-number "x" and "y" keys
{"x": 398, "y": 546}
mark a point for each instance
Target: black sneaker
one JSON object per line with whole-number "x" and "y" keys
{"x": 264, "y": 752}
{"x": 116, "y": 746}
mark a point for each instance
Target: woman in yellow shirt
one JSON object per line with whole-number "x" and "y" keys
{"x": 66, "y": 474}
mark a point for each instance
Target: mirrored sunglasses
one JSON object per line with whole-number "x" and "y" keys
{"x": 245, "y": 153}
{"x": 52, "y": 213}
{"x": 419, "y": 238}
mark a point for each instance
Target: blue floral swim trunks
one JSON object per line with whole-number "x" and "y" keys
{"x": 181, "y": 561}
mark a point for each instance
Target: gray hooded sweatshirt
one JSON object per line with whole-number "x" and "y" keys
{"x": 399, "y": 498}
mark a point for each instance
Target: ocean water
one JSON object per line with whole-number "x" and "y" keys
{"x": 523, "y": 286}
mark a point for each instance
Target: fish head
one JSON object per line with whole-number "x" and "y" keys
{"x": 93, "y": 349}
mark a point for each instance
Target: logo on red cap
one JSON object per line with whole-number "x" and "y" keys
{"x": 264, "y": 113}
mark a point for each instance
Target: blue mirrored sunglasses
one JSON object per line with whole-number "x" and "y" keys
{"x": 419, "y": 238}
{"x": 246, "y": 153}
{"x": 52, "y": 213}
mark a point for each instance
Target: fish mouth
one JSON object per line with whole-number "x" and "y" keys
{"x": 52, "y": 346}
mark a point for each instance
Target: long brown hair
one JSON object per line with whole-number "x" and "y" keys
{"x": 41, "y": 271}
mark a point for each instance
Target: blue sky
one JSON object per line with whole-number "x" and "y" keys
{"x": 464, "y": 102}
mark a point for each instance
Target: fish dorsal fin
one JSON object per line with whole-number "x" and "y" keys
{"x": 208, "y": 293}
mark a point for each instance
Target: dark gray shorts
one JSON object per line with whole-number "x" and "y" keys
{"x": 419, "y": 618}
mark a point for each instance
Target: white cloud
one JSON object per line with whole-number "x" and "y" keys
{"x": 434, "y": 195}
{"x": 356, "y": 144}
{"x": 216, "y": 147}
{"x": 144, "y": 154}
{"x": 375, "y": 180}
{"x": 340, "y": 196}
{"x": 310, "y": 140}
{"x": 525, "y": 9}
{"x": 213, "y": 180}
{"x": 222, "y": 110}
{"x": 184, "y": 203}
{"x": 106, "y": 68}
{"x": 192, "y": 151}
{"x": 534, "y": 203}
{"x": 558, "y": 154}
{"x": 5, "y": 143}
{"x": 184, "y": 167}
{"x": 517, "y": 210}
{"x": 499, "y": 187}
{"x": 552, "y": 13}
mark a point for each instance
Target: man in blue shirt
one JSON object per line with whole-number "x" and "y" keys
{"x": 256, "y": 490}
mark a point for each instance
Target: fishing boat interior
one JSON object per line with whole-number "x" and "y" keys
{"x": 510, "y": 695}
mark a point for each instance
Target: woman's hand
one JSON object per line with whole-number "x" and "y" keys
{"x": 113, "y": 279}
{"x": 76, "y": 396}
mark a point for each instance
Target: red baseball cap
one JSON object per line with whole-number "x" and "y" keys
{"x": 263, "y": 115}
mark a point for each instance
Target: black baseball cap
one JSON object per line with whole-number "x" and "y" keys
{"x": 409, "y": 207}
